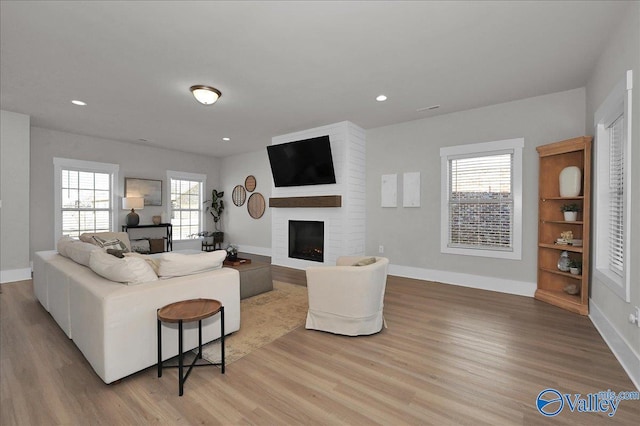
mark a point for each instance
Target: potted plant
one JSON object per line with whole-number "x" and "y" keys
{"x": 232, "y": 252}
{"x": 208, "y": 242}
{"x": 575, "y": 267}
{"x": 215, "y": 206}
{"x": 570, "y": 212}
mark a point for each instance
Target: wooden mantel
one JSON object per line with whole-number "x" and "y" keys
{"x": 317, "y": 201}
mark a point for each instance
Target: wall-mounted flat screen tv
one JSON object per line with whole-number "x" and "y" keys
{"x": 305, "y": 162}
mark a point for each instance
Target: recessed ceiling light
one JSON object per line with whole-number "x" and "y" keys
{"x": 143, "y": 140}
{"x": 77, "y": 102}
{"x": 226, "y": 139}
{"x": 381, "y": 98}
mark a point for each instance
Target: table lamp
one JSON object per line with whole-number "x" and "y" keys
{"x": 133, "y": 203}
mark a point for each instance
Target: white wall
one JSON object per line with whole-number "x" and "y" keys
{"x": 139, "y": 161}
{"x": 251, "y": 235}
{"x": 608, "y": 311}
{"x": 411, "y": 236}
{"x": 344, "y": 227}
{"x": 14, "y": 193}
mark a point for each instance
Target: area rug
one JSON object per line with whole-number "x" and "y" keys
{"x": 263, "y": 319}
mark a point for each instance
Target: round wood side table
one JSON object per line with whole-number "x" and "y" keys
{"x": 189, "y": 311}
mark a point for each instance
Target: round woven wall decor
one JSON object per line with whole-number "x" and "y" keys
{"x": 256, "y": 205}
{"x": 250, "y": 183}
{"x": 239, "y": 195}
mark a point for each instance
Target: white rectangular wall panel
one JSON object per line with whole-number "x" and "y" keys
{"x": 411, "y": 189}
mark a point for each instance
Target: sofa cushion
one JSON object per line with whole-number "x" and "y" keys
{"x": 79, "y": 252}
{"x": 179, "y": 264}
{"x": 87, "y": 237}
{"x": 63, "y": 243}
{"x": 129, "y": 270}
{"x": 151, "y": 261}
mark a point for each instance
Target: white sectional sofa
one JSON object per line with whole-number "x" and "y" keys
{"x": 114, "y": 324}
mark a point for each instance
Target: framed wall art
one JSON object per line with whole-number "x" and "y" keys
{"x": 150, "y": 189}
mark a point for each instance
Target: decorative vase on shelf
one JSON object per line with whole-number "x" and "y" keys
{"x": 570, "y": 181}
{"x": 570, "y": 216}
{"x": 564, "y": 262}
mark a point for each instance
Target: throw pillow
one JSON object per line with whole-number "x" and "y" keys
{"x": 366, "y": 261}
{"x": 63, "y": 244}
{"x": 178, "y": 264}
{"x": 79, "y": 252}
{"x": 87, "y": 237}
{"x": 113, "y": 243}
{"x": 117, "y": 253}
{"x": 128, "y": 270}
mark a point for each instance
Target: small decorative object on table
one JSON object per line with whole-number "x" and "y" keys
{"x": 570, "y": 181}
{"x": 157, "y": 220}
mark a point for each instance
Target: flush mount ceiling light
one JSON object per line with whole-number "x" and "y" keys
{"x": 206, "y": 95}
{"x": 79, "y": 103}
{"x": 381, "y": 98}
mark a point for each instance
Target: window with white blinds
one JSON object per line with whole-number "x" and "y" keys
{"x": 616, "y": 196}
{"x": 84, "y": 197}
{"x": 613, "y": 181}
{"x": 481, "y": 202}
{"x": 186, "y": 195}
{"x": 481, "y": 199}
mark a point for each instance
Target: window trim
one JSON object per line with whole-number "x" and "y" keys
{"x": 514, "y": 146}
{"x": 618, "y": 102}
{"x": 86, "y": 166}
{"x": 172, "y": 174}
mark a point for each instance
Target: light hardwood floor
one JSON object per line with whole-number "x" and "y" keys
{"x": 450, "y": 355}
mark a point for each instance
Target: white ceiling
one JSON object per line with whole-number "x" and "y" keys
{"x": 283, "y": 66}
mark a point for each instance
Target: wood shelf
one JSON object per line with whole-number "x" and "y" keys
{"x": 563, "y": 300}
{"x": 314, "y": 201}
{"x": 564, "y": 274}
{"x": 579, "y": 197}
{"x": 563, "y": 222}
{"x": 562, "y": 247}
{"x": 554, "y": 158}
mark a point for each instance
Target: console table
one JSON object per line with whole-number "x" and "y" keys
{"x": 168, "y": 228}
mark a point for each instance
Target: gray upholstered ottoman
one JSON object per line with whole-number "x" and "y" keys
{"x": 255, "y": 278}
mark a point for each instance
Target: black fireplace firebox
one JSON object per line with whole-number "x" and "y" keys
{"x": 306, "y": 240}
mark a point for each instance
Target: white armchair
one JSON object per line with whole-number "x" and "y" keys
{"x": 347, "y": 299}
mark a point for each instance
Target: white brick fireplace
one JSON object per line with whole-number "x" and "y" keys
{"x": 344, "y": 226}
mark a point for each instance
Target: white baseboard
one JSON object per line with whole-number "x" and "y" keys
{"x": 622, "y": 350}
{"x": 12, "y": 275}
{"x": 520, "y": 288}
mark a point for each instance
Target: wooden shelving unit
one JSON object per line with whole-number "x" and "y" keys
{"x": 551, "y": 281}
